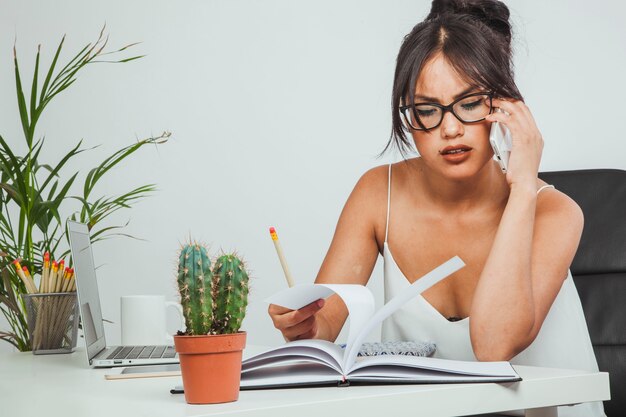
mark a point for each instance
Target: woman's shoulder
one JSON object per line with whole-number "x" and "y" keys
{"x": 373, "y": 180}
{"x": 369, "y": 196}
{"x": 377, "y": 178}
{"x": 372, "y": 189}
{"x": 554, "y": 204}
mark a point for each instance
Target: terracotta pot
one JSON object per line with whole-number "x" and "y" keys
{"x": 211, "y": 366}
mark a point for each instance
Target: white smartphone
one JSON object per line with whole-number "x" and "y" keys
{"x": 500, "y": 140}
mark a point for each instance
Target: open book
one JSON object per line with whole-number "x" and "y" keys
{"x": 319, "y": 362}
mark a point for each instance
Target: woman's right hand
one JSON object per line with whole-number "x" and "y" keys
{"x": 296, "y": 324}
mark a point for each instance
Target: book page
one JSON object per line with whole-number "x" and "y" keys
{"x": 360, "y": 303}
{"x": 426, "y": 281}
{"x": 321, "y": 351}
{"x": 358, "y": 299}
{"x": 398, "y": 365}
{"x": 289, "y": 374}
{"x": 300, "y": 295}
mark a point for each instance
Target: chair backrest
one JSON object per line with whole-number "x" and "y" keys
{"x": 599, "y": 268}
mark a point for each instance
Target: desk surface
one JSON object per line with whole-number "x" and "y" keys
{"x": 63, "y": 385}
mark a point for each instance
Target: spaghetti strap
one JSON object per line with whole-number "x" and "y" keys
{"x": 388, "y": 201}
{"x": 544, "y": 187}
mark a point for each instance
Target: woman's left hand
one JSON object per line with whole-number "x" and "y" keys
{"x": 527, "y": 142}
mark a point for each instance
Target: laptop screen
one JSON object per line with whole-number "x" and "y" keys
{"x": 87, "y": 288}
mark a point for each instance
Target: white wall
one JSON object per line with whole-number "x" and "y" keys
{"x": 276, "y": 108}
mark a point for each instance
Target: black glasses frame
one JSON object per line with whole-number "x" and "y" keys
{"x": 448, "y": 108}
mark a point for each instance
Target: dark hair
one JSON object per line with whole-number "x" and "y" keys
{"x": 473, "y": 35}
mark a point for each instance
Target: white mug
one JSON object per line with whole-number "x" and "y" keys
{"x": 143, "y": 320}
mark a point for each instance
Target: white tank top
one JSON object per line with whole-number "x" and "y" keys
{"x": 562, "y": 342}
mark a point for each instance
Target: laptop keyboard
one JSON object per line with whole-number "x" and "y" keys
{"x": 142, "y": 352}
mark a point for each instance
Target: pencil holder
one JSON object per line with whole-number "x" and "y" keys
{"x": 52, "y": 322}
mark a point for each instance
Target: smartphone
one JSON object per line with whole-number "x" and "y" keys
{"x": 500, "y": 140}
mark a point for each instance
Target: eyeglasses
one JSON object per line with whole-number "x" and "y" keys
{"x": 468, "y": 109}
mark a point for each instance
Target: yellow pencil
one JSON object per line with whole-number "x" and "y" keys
{"x": 31, "y": 281}
{"x": 72, "y": 285}
{"x": 45, "y": 271}
{"x": 53, "y": 276}
{"x": 281, "y": 257}
{"x": 22, "y": 272}
{"x": 60, "y": 274}
{"x": 66, "y": 280}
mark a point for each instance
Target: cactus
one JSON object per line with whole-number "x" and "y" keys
{"x": 194, "y": 286}
{"x": 214, "y": 299}
{"x": 230, "y": 293}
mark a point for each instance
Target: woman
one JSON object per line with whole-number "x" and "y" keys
{"x": 516, "y": 234}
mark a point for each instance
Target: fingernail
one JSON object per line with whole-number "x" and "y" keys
{"x": 320, "y": 303}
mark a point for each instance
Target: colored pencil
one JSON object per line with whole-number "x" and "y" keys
{"x": 22, "y": 272}
{"x": 43, "y": 284}
{"x": 53, "y": 276}
{"x": 66, "y": 280}
{"x": 72, "y": 286}
{"x": 60, "y": 274}
{"x": 281, "y": 256}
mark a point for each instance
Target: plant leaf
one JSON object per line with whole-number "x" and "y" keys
{"x": 111, "y": 161}
{"x": 44, "y": 89}
{"x": 75, "y": 151}
{"x": 10, "y": 337}
{"x": 33, "y": 90}
{"x": 6, "y": 280}
{"x": 11, "y": 193}
{"x": 21, "y": 101}
{"x": 14, "y": 168}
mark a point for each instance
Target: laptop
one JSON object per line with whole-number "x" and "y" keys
{"x": 98, "y": 353}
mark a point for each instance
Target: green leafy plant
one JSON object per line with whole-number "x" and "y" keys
{"x": 34, "y": 195}
{"x": 214, "y": 298}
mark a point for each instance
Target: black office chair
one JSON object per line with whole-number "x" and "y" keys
{"x": 599, "y": 268}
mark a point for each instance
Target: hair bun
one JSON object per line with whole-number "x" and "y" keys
{"x": 492, "y": 13}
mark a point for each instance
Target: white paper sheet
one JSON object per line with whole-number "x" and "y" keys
{"x": 358, "y": 299}
{"x": 300, "y": 295}
{"x": 422, "y": 284}
{"x": 360, "y": 303}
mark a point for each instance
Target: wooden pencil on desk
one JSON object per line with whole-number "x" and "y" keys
{"x": 281, "y": 256}
{"x": 43, "y": 283}
{"x": 65, "y": 280}
{"x": 48, "y": 306}
{"x": 53, "y": 276}
{"x": 57, "y": 305}
{"x": 72, "y": 280}
{"x": 63, "y": 310}
{"x": 51, "y": 304}
{"x": 60, "y": 276}
{"x": 69, "y": 280}
{"x": 28, "y": 281}
{"x": 50, "y": 275}
{"x": 29, "y": 278}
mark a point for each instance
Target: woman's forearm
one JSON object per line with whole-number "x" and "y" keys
{"x": 331, "y": 318}
{"x": 502, "y": 314}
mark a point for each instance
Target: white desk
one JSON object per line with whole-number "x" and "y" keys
{"x": 63, "y": 385}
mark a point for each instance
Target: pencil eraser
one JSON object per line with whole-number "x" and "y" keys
{"x": 272, "y": 230}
